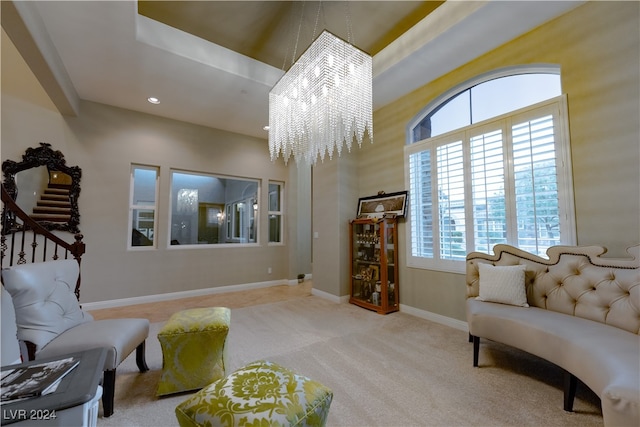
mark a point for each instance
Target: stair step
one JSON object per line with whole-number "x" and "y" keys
{"x": 64, "y": 186}
{"x": 60, "y": 197}
{"x": 52, "y": 210}
{"x": 62, "y": 191}
{"x": 55, "y": 203}
{"x": 51, "y": 218}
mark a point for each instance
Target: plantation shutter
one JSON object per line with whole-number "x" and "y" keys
{"x": 505, "y": 180}
{"x": 536, "y": 184}
{"x": 488, "y": 190}
{"x": 451, "y": 195}
{"x": 420, "y": 204}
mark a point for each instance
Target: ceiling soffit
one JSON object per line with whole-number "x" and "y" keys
{"x": 272, "y": 31}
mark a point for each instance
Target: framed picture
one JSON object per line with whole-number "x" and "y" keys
{"x": 379, "y": 205}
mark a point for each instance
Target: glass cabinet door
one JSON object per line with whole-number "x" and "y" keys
{"x": 373, "y": 264}
{"x": 390, "y": 251}
{"x": 366, "y": 261}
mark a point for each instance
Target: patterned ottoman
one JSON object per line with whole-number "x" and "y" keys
{"x": 193, "y": 344}
{"x": 259, "y": 394}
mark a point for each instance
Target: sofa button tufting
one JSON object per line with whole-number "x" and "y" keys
{"x": 605, "y": 304}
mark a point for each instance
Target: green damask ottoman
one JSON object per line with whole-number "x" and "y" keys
{"x": 259, "y": 394}
{"x": 193, "y": 348}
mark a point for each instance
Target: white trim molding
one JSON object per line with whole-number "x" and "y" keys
{"x": 330, "y": 297}
{"x": 434, "y": 317}
{"x": 177, "y": 295}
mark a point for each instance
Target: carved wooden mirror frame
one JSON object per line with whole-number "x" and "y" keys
{"x": 54, "y": 160}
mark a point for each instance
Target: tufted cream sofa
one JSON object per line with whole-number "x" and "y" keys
{"x": 583, "y": 315}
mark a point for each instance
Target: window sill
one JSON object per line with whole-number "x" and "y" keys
{"x": 446, "y": 266}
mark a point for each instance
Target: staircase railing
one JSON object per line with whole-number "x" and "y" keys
{"x": 28, "y": 242}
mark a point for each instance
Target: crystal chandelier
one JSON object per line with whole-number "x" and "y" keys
{"x": 322, "y": 102}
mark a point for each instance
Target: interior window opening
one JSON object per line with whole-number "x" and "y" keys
{"x": 143, "y": 206}
{"x": 211, "y": 210}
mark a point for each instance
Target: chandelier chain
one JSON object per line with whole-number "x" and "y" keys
{"x": 315, "y": 27}
{"x": 295, "y": 49}
{"x": 289, "y": 37}
{"x": 350, "y": 38}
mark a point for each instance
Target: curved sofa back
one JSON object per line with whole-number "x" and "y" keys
{"x": 575, "y": 280}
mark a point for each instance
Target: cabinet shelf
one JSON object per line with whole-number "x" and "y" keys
{"x": 364, "y": 261}
{"x": 374, "y": 277}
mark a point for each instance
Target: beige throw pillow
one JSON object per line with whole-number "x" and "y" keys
{"x": 503, "y": 284}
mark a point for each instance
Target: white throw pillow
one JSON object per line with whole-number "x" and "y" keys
{"x": 503, "y": 284}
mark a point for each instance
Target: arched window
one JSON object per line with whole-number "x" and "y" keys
{"x": 488, "y": 162}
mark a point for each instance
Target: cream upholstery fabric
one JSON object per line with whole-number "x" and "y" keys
{"x": 44, "y": 300}
{"x": 48, "y": 314}
{"x": 260, "y": 394}
{"x": 503, "y": 284}
{"x": 584, "y": 317}
{"x": 9, "y": 347}
{"x": 193, "y": 344}
{"x": 574, "y": 280}
{"x": 118, "y": 336}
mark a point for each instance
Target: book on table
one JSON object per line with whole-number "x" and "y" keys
{"x": 34, "y": 380}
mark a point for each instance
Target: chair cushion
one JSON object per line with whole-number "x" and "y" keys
{"x": 119, "y": 336}
{"x": 44, "y": 299}
{"x": 259, "y": 394}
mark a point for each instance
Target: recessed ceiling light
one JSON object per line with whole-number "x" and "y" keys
{"x": 153, "y": 100}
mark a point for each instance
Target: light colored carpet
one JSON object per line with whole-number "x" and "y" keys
{"x": 394, "y": 370}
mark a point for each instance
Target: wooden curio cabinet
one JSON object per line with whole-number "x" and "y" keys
{"x": 374, "y": 260}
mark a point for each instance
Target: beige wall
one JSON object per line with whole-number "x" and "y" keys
{"x": 298, "y": 217}
{"x": 597, "y": 48}
{"x": 596, "y": 45}
{"x": 104, "y": 141}
{"x": 335, "y": 197}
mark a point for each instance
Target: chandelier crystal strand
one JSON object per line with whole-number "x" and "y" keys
{"x": 322, "y": 102}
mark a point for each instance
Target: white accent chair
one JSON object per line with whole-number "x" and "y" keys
{"x": 50, "y": 321}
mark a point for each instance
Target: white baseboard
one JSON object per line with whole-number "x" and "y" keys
{"x": 183, "y": 294}
{"x": 434, "y": 317}
{"x": 330, "y": 297}
{"x": 295, "y": 282}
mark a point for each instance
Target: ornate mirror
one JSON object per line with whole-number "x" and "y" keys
{"x": 44, "y": 187}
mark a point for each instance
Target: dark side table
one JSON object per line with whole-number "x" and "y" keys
{"x": 75, "y": 401}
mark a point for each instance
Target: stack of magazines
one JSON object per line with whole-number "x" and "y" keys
{"x": 34, "y": 380}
